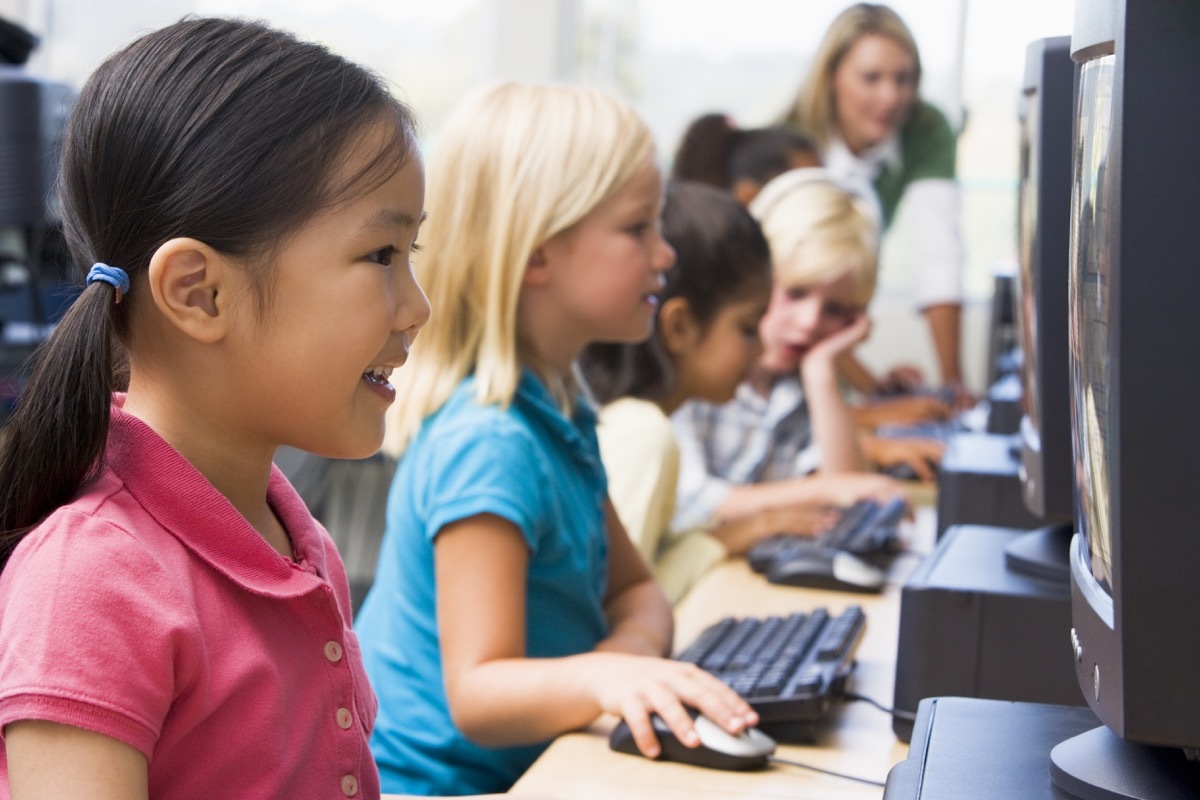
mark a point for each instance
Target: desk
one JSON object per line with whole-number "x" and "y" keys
{"x": 580, "y": 766}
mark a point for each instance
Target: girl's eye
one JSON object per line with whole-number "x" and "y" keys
{"x": 416, "y": 247}
{"x": 383, "y": 256}
{"x": 797, "y": 294}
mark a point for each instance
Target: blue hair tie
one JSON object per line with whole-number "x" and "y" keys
{"x": 114, "y": 276}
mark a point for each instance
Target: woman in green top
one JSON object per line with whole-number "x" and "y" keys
{"x": 859, "y": 105}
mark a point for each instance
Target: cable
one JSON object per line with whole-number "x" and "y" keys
{"x": 895, "y": 712}
{"x": 844, "y": 776}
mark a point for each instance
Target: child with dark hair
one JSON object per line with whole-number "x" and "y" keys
{"x": 787, "y": 436}
{"x": 715, "y": 151}
{"x": 704, "y": 343}
{"x": 173, "y": 622}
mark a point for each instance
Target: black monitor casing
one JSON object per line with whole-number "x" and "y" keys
{"x": 1137, "y": 649}
{"x": 1047, "y": 113}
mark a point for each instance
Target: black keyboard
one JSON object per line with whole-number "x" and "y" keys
{"x": 867, "y": 529}
{"x": 791, "y": 669}
{"x": 940, "y": 430}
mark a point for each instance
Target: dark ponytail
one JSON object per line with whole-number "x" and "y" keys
{"x": 225, "y": 131}
{"x": 717, "y": 152}
{"x": 704, "y": 151}
{"x": 55, "y": 437}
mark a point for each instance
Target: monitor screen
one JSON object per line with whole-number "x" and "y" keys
{"x": 1027, "y": 216}
{"x": 1091, "y": 308}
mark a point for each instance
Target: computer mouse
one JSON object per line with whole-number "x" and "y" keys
{"x": 902, "y": 471}
{"x": 824, "y": 568}
{"x": 718, "y": 749}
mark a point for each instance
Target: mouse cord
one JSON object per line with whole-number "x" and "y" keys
{"x": 842, "y": 775}
{"x": 895, "y": 712}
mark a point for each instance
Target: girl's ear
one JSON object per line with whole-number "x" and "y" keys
{"x": 677, "y": 326}
{"x": 190, "y": 284}
{"x": 537, "y": 269}
{"x": 745, "y": 190}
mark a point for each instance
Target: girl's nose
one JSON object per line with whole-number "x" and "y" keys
{"x": 664, "y": 255}
{"x": 412, "y": 312}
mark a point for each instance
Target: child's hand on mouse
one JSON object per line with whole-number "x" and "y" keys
{"x": 634, "y": 687}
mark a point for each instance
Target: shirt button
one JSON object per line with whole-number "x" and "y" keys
{"x": 349, "y": 785}
{"x": 333, "y": 651}
{"x": 344, "y": 718}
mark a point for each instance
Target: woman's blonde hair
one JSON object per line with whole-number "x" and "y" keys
{"x": 515, "y": 165}
{"x": 812, "y": 110}
{"x": 819, "y": 230}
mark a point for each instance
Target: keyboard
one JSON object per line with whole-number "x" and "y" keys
{"x": 867, "y": 529}
{"x": 940, "y": 431}
{"x": 791, "y": 669}
{"x": 850, "y": 557}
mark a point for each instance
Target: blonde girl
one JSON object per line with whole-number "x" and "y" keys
{"x": 509, "y": 605}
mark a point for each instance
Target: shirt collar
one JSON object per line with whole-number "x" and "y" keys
{"x": 533, "y": 395}
{"x": 867, "y": 164}
{"x": 182, "y": 500}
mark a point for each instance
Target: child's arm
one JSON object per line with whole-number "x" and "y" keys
{"x": 100, "y": 767}
{"x": 834, "y": 430}
{"x": 500, "y": 697}
{"x": 639, "y": 614}
{"x": 861, "y": 379}
{"x": 902, "y": 410}
{"x": 739, "y": 535}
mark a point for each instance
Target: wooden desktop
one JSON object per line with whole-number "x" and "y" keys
{"x": 858, "y": 741}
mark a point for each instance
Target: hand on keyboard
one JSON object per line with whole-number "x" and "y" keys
{"x": 850, "y": 556}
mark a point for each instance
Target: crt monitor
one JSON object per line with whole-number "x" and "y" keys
{"x": 1047, "y": 115}
{"x": 1134, "y": 299}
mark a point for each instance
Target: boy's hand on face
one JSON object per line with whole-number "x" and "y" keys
{"x": 842, "y": 340}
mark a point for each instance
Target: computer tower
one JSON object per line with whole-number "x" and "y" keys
{"x": 972, "y": 627}
{"x": 979, "y": 483}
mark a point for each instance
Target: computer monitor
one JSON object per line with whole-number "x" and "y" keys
{"x": 1047, "y": 116}
{"x": 1134, "y": 297}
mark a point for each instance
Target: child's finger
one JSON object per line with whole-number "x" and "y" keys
{"x": 638, "y": 719}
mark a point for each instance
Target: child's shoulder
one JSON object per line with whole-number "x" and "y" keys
{"x": 635, "y": 417}
{"x": 104, "y": 515}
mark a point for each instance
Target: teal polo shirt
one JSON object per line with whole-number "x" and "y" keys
{"x": 529, "y": 464}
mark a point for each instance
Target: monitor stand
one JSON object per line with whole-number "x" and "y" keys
{"x": 1099, "y": 765}
{"x": 1042, "y": 553}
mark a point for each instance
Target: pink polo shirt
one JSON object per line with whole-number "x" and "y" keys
{"x": 150, "y": 611}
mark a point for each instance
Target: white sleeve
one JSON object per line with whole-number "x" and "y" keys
{"x": 699, "y": 492}
{"x": 932, "y": 211}
{"x": 642, "y": 461}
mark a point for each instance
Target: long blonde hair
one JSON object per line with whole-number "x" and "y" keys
{"x": 515, "y": 165}
{"x": 812, "y": 110}
{"x": 819, "y": 230}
